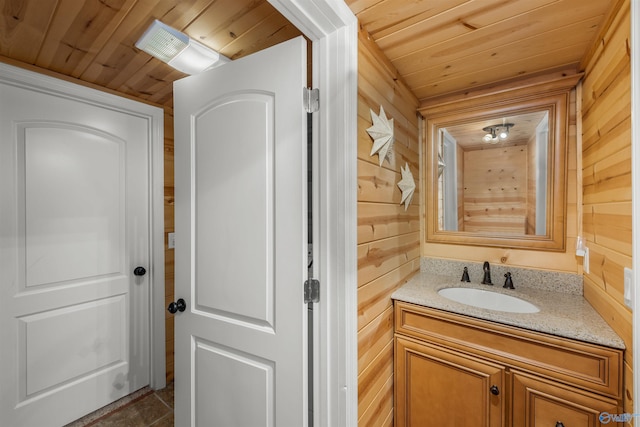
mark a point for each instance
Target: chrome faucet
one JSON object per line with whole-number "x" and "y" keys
{"x": 486, "y": 280}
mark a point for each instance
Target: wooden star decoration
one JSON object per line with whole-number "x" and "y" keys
{"x": 382, "y": 134}
{"x": 407, "y": 185}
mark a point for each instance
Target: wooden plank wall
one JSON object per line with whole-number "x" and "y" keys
{"x": 606, "y": 170}
{"x": 388, "y": 236}
{"x": 489, "y": 203}
{"x": 169, "y": 227}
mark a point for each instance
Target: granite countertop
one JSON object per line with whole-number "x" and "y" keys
{"x": 561, "y": 314}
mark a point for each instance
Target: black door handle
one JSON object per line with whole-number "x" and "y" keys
{"x": 494, "y": 390}
{"x": 139, "y": 271}
{"x": 179, "y": 305}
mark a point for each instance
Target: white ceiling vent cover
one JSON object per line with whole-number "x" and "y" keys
{"x": 176, "y": 49}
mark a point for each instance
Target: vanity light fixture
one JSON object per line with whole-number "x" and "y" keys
{"x": 496, "y": 133}
{"x": 177, "y": 49}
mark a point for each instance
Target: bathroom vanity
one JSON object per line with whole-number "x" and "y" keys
{"x": 458, "y": 364}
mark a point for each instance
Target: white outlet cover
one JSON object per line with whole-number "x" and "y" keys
{"x": 585, "y": 261}
{"x": 628, "y": 287}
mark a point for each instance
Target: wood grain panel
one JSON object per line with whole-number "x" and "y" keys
{"x": 607, "y": 180}
{"x": 373, "y": 338}
{"x": 94, "y": 41}
{"x": 608, "y": 110}
{"x": 376, "y": 184}
{"x": 169, "y": 227}
{"x": 609, "y": 225}
{"x": 382, "y": 256}
{"x": 380, "y": 412}
{"x": 617, "y": 139}
{"x": 381, "y": 220}
{"x": 222, "y": 29}
{"x": 444, "y": 62}
{"x": 444, "y": 47}
{"x": 382, "y": 18}
{"x": 388, "y": 236}
{"x": 435, "y": 48}
{"x": 613, "y": 312}
{"x": 375, "y": 297}
{"x": 78, "y": 33}
{"x": 607, "y": 56}
{"x": 24, "y": 29}
{"x": 374, "y": 378}
{"x": 382, "y": 79}
{"x": 495, "y": 190}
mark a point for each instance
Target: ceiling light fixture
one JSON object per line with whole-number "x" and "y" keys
{"x": 496, "y": 133}
{"x": 177, "y": 49}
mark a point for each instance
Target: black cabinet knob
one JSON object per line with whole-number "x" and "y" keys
{"x": 179, "y": 305}
{"x": 139, "y": 271}
{"x": 494, "y": 390}
{"x": 559, "y": 424}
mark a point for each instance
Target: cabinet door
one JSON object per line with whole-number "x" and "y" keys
{"x": 431, "y": 382}
{"x": 540, "y": 403}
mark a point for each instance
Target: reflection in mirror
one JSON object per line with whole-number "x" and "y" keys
{"x": 496, "y": 166}
{"x": 493, "y": 175}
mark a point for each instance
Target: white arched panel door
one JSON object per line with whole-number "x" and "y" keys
{"x": 74, "y": 224}
{"x": 241, "y": 242}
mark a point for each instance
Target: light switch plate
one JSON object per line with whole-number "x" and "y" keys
{"x": 628, "y": 287}
{"x": 171, "y": 240}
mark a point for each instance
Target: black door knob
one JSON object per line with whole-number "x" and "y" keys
{"x": 179, "y": 305}
{"x": 139, "y": 271}
{"x": 494, "y": 390}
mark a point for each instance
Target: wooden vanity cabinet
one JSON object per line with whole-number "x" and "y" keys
{"x": 440, "y": 387}
{"x": 540, "y": 403}
{"x": 454, "y": 370}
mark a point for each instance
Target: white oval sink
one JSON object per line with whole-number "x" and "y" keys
{"x": 489, "y": 300}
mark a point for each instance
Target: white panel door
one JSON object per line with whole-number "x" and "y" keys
{"x": 241, "y": 238}
{"x": 74, "y": 223}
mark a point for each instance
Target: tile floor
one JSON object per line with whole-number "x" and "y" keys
{"x": 144, "y": 408}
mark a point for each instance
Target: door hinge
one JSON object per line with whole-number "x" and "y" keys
{"x": 311, "y": 99}
{"x": 311, "y": 291}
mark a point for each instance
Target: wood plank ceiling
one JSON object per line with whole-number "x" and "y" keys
{"x": 441, "y": 47}
{"x": 438, "y": 46}
{"x": 94, "y": 40}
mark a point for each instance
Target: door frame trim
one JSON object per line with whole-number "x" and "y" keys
{"x": 48, "y": 82}
{"x": 333, "y": 29}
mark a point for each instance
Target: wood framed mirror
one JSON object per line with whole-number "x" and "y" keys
{"x": 496, "y": 168}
